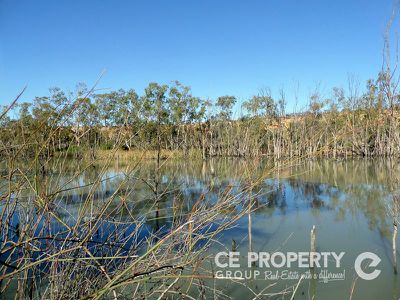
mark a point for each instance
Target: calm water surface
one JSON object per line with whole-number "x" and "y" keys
{"x": 346, "y": 201}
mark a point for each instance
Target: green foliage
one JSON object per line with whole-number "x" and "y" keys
{"x": 225, "y": 105}
{"x": 172, "y": 118}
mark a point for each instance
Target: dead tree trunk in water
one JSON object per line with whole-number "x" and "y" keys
{"x": 394, "y": 247}
{"x": 312, "y": 245}
{"x": 394, "y": 236}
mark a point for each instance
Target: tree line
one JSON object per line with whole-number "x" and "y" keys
{"x": 351, "y": 122}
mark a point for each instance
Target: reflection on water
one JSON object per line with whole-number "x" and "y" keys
{"x": 346, "y": 200}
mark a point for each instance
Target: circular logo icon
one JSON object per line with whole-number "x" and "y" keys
{"x": 375, "y": 260}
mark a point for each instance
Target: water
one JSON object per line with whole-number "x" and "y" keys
{"x": 347, "y": 201}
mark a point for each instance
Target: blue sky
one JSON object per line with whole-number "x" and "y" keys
{"x": 216, "y": 47}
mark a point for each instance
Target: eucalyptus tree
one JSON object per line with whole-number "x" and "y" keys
{"x": 23, "y": 123}
{"x": 86, "y": 118}
{"x": 136, "y": 107}
{"x": 51, "y": 114}
{"x": 39, "y": 123}
{"x": 43, "y": 110}
{"x": 254, "y": 129}
{"x": 185, "y": 111}
{"x": 225, "y": 105}
{"x": 224, "y": 134}
{"x": 130, "y": 111}
{"x": 120, "y": 108}
{"x": 105, "y": 106}
{"x": 24, "y": 113}
{"x": 80, "y": 121}
{"x": 261, "y": 110}
{"x": 179, "y": 96}
{"x": 156, "y": 108}
{"x": 261, "y": 105}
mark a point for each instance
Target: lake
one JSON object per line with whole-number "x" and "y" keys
{"x": 348, "y": 202}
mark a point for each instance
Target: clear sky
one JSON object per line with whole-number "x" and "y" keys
{"x": 216, "y": 47}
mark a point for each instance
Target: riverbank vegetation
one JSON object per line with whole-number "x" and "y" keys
{"x": 351, "y": 122}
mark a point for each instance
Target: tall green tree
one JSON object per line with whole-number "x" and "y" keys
{"x": 225, "y": 105}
